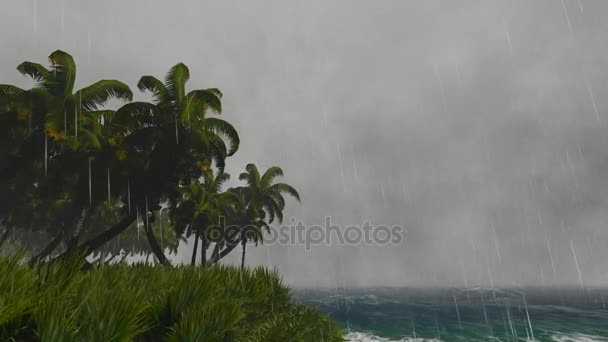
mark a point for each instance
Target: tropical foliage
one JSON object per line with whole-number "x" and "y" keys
{"x": 84, "y": 187}
{"x": 120, "y": 302}
{"x": 77, "y": 177}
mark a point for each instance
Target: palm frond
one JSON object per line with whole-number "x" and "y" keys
{"x": 175, "y": 81}
{"x": 10, "y": 91}
{"x": 218, "y": 151}
{"x": 156, "y": 87}
{"x": 135, "y": 113}
{"x": 64, "y": 71}
{"x": 283, "y": 188}
{"x": 203, "y": 100}
{"x": 219, "y": 180}
{"x": 99, "y": 93}
{"x": 226, "y": 131}
{"x": 254, "y": 174}
{"x": 270, "y": 175}
{"x": 36, "y": 71}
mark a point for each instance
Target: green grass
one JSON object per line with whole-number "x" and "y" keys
{"x": 120, "y": 302}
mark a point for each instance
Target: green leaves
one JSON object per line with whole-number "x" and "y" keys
{"x": 9, "y": 90}
{"x": 64, "y": 72}
{"x": 282, "y": 188}
{"x": 37, "y": 72}
{"x": 99, "y": 93}
{"x": 203, "y": 100}
{"x": 59, "y": 302}
{"x": 175, "y": 82}
{"x": 156, "y": 87}
{"x": 270, "y": 175}
{"x": 68, "y": 153}
{"x": 225, "y": 130}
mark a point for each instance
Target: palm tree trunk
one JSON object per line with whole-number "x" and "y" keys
{"x": 203, "y": 251}
{"x": 193, "y": 261}
{"x": 93, "y": 244}
{"x": 216, "y": 252}
{"x": 82, "y": 222}
{"x": 158, "y": 252}
{"x": 4, "y": 237}
{"x": 244, "y": 243}
{"x": 220, "y": 255}
{"x": 47, "y": 250}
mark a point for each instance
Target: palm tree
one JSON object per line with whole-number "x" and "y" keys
{"x": 202, "y": 207}
{"x": 66, "y": 124}
{"x": 266, "y": 201}
{"x": 174, "y": 142}
{"x": 64, "y": 107}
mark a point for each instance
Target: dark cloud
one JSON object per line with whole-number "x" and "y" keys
{"x": 478, "y": 125}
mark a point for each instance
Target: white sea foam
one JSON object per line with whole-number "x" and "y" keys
{"x": 364, "y": 337}
{"x": 577, "y": 338}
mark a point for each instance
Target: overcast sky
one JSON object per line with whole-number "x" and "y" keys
{"x": 480, "y": 126}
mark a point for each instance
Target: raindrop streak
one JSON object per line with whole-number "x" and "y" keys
{"x": 129, "y": 195}
{"x": 147, "y": 223}
{"x": 109, "y": 185}
{"x": 383, "y": 194}
{"x": 137, "y": 221}
{"x": 483, "y": 306}
{"x": 507, "y": 35}
{"x": 513, "y": 332}
{"x": 176, "y": 132}
{"x": 355, "y": 170}
{"x": 62, "y": 17}
{"x": 341, "y": 168}
{"x": 578, "y": 268}
{"x": 457, "y": 311}
{"x": 528, "y": 317}
{"x": 35, "y": 17}
{"x": 46, "y": 154}
{"x": 90, "y": 185}
{"x": 75, "y": 122}
{"x": 459, "y": 76}
{"x": 580, "y": 6}
{"x": 567, "y": 17}
{"x": 89, "y": 47}
{"x": 160, "y": 225}
{"x": 595, "y": 109}
{"x": 496, "y": 244}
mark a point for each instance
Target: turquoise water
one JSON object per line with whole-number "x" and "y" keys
{"x": 532, "y": 314}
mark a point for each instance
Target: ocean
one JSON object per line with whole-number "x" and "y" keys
{"x": 559, "y": 314}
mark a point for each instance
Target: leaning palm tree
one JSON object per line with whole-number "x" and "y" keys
{"x": 266, "y": 200}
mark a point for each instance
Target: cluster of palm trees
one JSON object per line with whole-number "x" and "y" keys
{"x": 75, "y": 175}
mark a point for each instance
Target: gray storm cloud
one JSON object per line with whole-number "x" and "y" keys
{"x": 480, "y": 126}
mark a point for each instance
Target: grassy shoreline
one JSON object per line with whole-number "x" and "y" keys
{"x": 120, "y": 302}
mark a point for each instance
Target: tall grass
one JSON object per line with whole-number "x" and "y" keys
{"x": 120, "y": 302}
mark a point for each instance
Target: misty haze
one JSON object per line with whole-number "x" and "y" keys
{"x": 477, "y": 129}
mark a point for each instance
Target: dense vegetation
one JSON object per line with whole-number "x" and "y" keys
{"x": 78, "y": 177}
{"x": 119, "y": 302}
{"x": 82, "y": 184}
